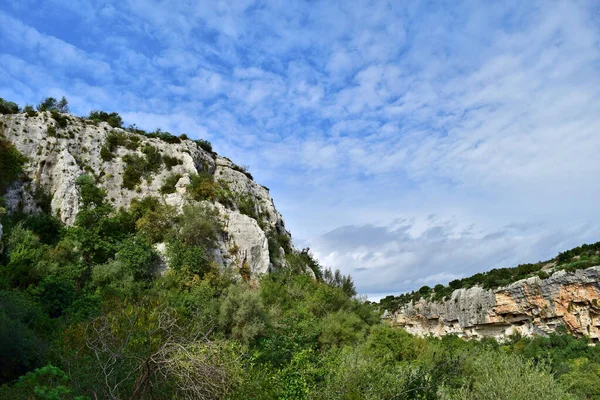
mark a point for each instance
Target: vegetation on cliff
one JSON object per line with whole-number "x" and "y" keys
{"x": 584, "y": 256}
{"x": 85, "y": 313}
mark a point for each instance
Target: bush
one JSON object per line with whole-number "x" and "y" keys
{"x": 200, "y": 226}
{"x": 60, "y": 119}
{"x": 8, "y": 107}
{"x": 11, "y": 164}
{"x": 242, "y": 314}
{"x": 170, "y": 162}
{"x": 29, "y": 111}
{"x": 204, "y": 145}
{"x": 156, "y": 221}
{"x": 138, "y": 258}
{"x": 134, "y": 170}
{"x": 168, "y": 185}
{"x": 201, "y": 186}
{"x": 113, "y": 118}
{"x": 48, "y": 104}
{"x": 137, "y": 166}
{"x": 497, "y": 375}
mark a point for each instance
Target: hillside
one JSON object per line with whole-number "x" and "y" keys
{"x": 130, "y": 165}
{"x": 528, "y": 300}
{"x": 141, "y": 265}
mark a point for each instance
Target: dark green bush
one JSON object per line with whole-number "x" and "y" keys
{"x": 29, "y": 111}
{"x": 204, "y": 145}
{"x": 8, "y": 107}
{"x": 113, "y": 118}
{"x": 11, "y": 164}
{"x": 170, "y": 162}
{"x": 168, "y": 185}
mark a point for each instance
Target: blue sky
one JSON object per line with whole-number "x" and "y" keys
{"x": 407, "y": 143}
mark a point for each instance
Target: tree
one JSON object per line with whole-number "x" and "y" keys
{"x": 112, "y": 118}
{"x": 48, "y": 104}
{"x": 8, "y": 107}
{"x": 63, "y": 105}
{"x": 144, "y": 351}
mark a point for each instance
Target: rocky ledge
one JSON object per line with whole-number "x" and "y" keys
{"x": 527, "y": 307}
{"x": 57, "y": 155}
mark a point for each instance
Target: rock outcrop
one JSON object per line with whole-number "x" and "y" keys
{"x": 57, "y": 156}
{"x": 528, "y": 307}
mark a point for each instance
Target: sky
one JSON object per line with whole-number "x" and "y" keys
{"x": 407, "y": 143}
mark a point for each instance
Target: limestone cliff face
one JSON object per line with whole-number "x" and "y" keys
{"x": 529, "y": 307}
{"x": 57, "y": 156}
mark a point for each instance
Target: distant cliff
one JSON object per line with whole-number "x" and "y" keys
{"x": 129, "y": 164}
{"x": 527, "y": 307}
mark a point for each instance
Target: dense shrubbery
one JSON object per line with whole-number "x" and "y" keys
{"x": 94, "y": 318}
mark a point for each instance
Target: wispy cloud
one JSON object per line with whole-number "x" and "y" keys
{"x": 356, "y": 115}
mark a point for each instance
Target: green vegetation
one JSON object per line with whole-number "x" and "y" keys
{"x": 51, "y": 104}
{"x": 169, "y": 184}
{"x": 89, "y": 312}
{"x": 8, "y": 107}
{"x": 137, "y": 166}
{"x": 11, "y": 164}
{"x": 585, "y": 256}
{"x": 204, "y": 145}
{"x": 113, "y": 119}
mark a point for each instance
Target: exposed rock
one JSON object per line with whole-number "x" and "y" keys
{"x": 56, "y": 159}
{"x": 528, "y": 307}
{"x": 1, "y": 244}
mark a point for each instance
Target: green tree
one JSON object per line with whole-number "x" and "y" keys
{"x": 48, "y": 104}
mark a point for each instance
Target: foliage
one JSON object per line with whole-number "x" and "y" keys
{"x": 11, "y": 164}
{"x": 8, "y": 107}
{"x": 85, "y": 311}
{"x": 48, "y": 104}
{"x": 201, "y": 186}
{"x": 584, "y": 256}
{"x": 169, "y": 183}
{"x": 204, "y": 145}
{"x": 137, "y": 166}
{"x": 113, "y": 119}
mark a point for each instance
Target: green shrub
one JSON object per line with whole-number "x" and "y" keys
{"x": 51, "y": 131}
{"x": 170, "y": 162}
{"x": 105, "y": 153}
{"x": 153, "y": 159}
{"x": 113, "y": 118}
{"x": 138, "y": 258}
{"x": 200, "y": 226}
{"x": 60, "y": 119}
{"x": 204, "y": 145}
{"x": 11, "y": 164}
{"x": 242, "y": 314}
{"x": 8, "y": 107}
{"x": 48, "y": 104}
{"x": 201, "y": 186}
{"x": 168, "y": 185}
{"x": 29, "y": 111}
{"x": 134, "y": 170}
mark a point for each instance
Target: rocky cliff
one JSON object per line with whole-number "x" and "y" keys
{"x": 59, "y": 151}
{"x": 527, "y": 307}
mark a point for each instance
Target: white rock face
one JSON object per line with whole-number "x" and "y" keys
{"x": 528, "y": 307}
{"x": 55, "y": 162}
{"x": 248, "y": 244}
